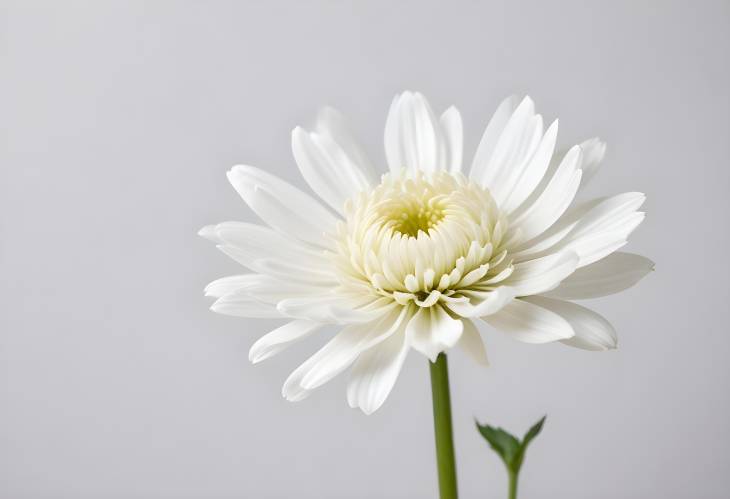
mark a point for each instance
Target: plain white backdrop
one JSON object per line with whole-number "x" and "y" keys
{"x": 119, "y": 122}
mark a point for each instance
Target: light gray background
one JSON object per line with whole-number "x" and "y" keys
{"x": 120, "y": 120}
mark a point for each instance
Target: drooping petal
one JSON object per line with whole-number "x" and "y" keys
{"x": 432, "y": 330}
{"x": 375, "y": 372}
{"x": 413, "y": 136}
{"x": 616, "y": 272}
{"x": 280, "y": 338}
{"x": 472, "y": 344}
{"x": 482, "y": 303}
{"x": 491, "y": 135}
{"x": 530, "y": 323}
{"x": 334, "y": 308}
{"x": 453, "y": 130}
{"x": 328, "y": 169}
{"x": 592, "y": 331}
{"x": 542, "y": 274}
{"x": 282, "y": 206}
{"x": 342, "y": 350}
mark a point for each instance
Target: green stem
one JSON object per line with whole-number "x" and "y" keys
{"x": 442, "y": 426}
{"x": 512, "y": 485}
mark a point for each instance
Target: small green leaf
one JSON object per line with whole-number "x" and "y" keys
{"x": 502, "y": 442}
{"x": 509, "y": 448}
{"x": 533, "y": 432}
{"x": 529, "y": 436}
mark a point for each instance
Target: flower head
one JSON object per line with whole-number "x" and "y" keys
{"x": 416, "y": 257}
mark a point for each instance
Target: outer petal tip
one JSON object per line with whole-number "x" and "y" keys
{"x": 209, "y": 232}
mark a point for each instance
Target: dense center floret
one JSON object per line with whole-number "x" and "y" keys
{"x": 411, "y": 212}
{"x": 423, "y": 238}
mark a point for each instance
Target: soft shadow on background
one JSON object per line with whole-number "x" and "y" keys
{"x": 119, "y": 122}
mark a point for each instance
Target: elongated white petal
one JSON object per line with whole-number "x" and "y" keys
{"x": 542, "y": 274}
{"x": 592, "y": 229}
{"x": 453, "y": 130}
{"x": 208, "y": 232}
{"x": 243, "y": 305}
{"x": 331, "y": 308}
{"x": 491, "y": 135}
{"x": 327, "y": 168}
{"x": 527, "y": 175}
{"x": 345, "y": 347}
{"x": 432, "y": 330}
{"x": 413, "y": 136}
{"x": 592, "y": 331}
{"x": 374, "y": 373}
{"x": 472, "y": 344}
{"x": 594, "y": 150}
{"x": 616, "y": 272}
{"x": 332, "y": 123}
{"x": 483, "y": 303}
{"x": 297, "y": 271}
{"x": 543, "y": 208}
{"x": 249, "y": 243}
{"x": 281, "y": 205}
{"x": 530, "y": 323}
{"x": 515, "y": 148}
{"x": 226, "y": 285}
{"x": 280, "y": 338}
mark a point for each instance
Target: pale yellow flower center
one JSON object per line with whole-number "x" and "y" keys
{"x": 422, "y": 238}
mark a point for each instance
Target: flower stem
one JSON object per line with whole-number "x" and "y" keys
{"x": 512, "y": 485}
{"x": 442, "y": 426}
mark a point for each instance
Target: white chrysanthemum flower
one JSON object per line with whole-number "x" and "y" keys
{"x": 414, "y": 258}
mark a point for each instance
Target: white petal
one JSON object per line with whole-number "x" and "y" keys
{"x": 327, "y": 168}
{"x": 332, "y": 123}
{"x": 491, "y": 135}
{"x": 592, "y": 229}
{"x": 330, "y": 360}
{"x": 530, "y": 323}
{"x": 471, "y": 342}
{"x": 208, "y": 232}
{"x": 432, "y": 330}
{"x": 592, "y": 331}
{"x": 483, "y": 303}
{"x": 260, "y": 288}
{"x": 542, "y": 274}
{"x": 243, "y": 305}
{"x": 453, "y": 130}
{"x": 331, "y": 308}
{"x": 225, "y": 285}
{"x": 374, "y": 373}
{"x": 413, "y": 137}
{"x": 594, "y": 151}
{"x": 248, "y": 243}
{"x": 526, "y": 180}
{"x": 616, "y": 272}
{"x": 515, "y": 148}
{"x": 345, "y": 347}
{"x": 280, "y": 338}
{"x": 281, "y": 205}
{"x": 294, "y": 270}
{"x": 544, "y": 207}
